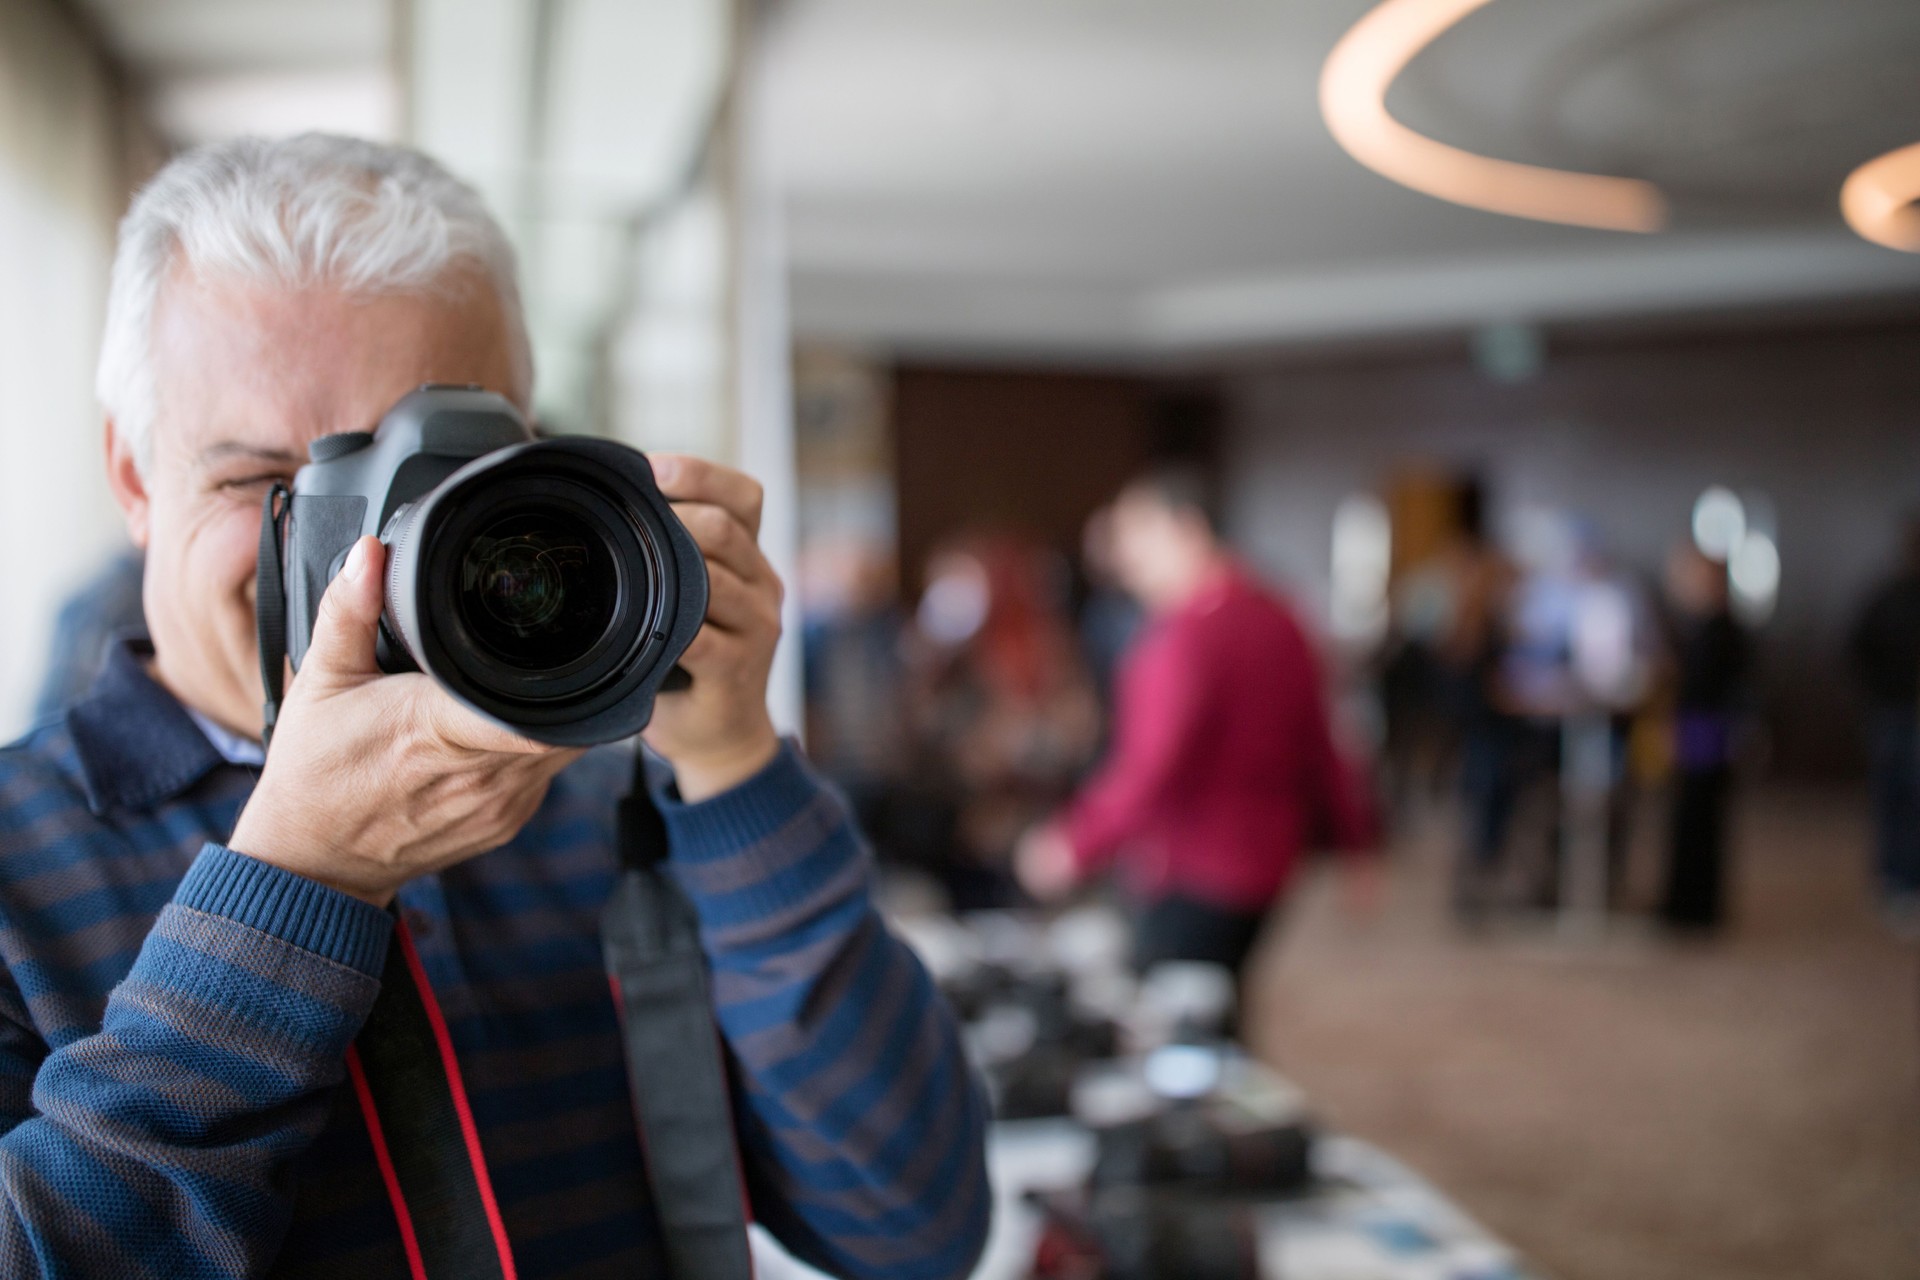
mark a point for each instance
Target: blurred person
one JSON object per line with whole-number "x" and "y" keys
{"x": 1592, "y": 679}
{"x": 195, "y": 930}
{"x": 1711, "y": 656}
{"x": 1498, "y": 746}
{"x": 1885, "y": 648}
{"x": 1003, "y": 706}
{"x": 105, "y": 606}
{"x": 1109, "y": 617}
{"x": 855, "y": 674}
{"x": 1222, "y": 770}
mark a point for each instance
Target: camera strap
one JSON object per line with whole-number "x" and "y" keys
{"x": 270, "y": 605}
{"x": 676, "y": 1065}
{"x": 426, "y": 1143}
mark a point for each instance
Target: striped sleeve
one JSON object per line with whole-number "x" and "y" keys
{"x": 863, "y": 1128}
{"x": 162, "y": 1145}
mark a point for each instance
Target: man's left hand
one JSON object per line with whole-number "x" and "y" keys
{"x": 717, "y": 733}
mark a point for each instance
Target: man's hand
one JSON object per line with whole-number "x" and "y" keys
{"x": 1044, "y": 863}
{"x": 375, "y": 779}
{"x": 717, "y": 733}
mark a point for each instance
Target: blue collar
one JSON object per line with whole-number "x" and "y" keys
{"x": 137, "y": 745}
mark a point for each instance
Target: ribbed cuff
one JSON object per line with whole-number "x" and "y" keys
{"x": 745, "y": 815}
{"x": 287, "y": 906}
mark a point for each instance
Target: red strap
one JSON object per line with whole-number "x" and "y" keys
{"x": 384, "y": 1158}
{"x": 458, "y": 1088}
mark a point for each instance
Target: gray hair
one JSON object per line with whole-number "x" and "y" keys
{"x": 297, "y": 212}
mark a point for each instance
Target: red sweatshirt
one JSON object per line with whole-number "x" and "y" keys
{"x": 1222, "y": 768}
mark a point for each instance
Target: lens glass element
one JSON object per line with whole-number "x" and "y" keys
{"x": 538, "y": 588}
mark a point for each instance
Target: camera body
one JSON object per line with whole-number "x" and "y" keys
{"x": 545, "y": 583}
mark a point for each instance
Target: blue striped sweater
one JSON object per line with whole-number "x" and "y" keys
{"x": 174, "y": 1018}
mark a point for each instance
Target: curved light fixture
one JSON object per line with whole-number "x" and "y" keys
{"x": 1877, "y": 199}
{"x": 1353, "y": 98}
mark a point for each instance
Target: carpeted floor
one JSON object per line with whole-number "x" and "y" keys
{"x": 1632, "y": 1109}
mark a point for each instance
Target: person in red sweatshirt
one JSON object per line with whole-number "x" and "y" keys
{"x": 1222, "y": 768}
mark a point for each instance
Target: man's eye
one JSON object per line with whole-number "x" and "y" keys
{"x": 243, "y": 484}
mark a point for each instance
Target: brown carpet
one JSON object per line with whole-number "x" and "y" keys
{"x": 1632, "y": 1109}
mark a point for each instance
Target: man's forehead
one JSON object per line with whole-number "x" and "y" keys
{"x": 244, "y": 367}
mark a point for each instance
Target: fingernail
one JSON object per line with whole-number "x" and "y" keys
{"x": 356, "y": 562}
{"x": 664, "y": 470}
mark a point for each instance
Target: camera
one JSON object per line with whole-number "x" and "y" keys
{"x": 545, "y": 583}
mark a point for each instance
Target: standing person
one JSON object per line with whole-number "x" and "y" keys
{"x": 103, "y": 607}
{"x": 1711, "y": 653}
{"x": 1002, "y": 706}
{"x": 1222, "y": 768}
{"x": 1885, "y": 648}
{"x": 1498, "y": 746}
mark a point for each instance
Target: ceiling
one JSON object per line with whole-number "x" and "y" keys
{"x": 200, "y": 66}
{"x": 1145, "y": 177}
{"x": 1151, "y": 178}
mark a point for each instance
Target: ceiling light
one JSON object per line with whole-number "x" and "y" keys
{"x": 1878, "y": 198}
{"x": 1353, "y": 96}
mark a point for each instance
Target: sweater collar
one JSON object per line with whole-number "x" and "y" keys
{"x": 137, "y": 745}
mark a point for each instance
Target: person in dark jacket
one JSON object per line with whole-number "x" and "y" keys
{"x": 1711, "y": 654}
{"x": 1885, "y": 650}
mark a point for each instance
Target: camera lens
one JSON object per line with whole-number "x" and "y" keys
{"x": 538, "y": 589}
{"x": 547, "y": 585}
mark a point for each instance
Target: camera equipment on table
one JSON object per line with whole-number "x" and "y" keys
{"x": 1126, "y": 1233}
{"x": 546, "y": 584}
{"x": 1029, "y": 1038}
{"x": 1194, "y": 1146}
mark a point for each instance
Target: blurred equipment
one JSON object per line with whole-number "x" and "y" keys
{"x": 1163, "y": 1151}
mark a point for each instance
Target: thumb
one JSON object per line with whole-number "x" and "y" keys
{"x": 345, "y": 631}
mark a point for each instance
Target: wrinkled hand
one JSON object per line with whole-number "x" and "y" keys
{"x": 1044, "y": 863}
{"x": 375, "y": 779}
{"x": 717, "y": 733}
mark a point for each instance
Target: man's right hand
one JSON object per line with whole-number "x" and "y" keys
{"x": 375, "y": 779}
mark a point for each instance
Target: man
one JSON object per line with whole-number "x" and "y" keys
{"x": 1885, "y": 648}
{"x": 192, "y": 941}
{"x": 1222, "y": 768}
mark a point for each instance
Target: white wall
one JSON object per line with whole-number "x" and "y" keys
{"x": 59, "y": 194}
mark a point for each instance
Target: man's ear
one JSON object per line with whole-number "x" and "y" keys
{"x": 128, "y": 485}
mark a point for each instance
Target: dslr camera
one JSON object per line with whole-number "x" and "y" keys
{"x": 545, "y": 583}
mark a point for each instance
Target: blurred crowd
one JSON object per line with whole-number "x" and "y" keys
{"x": 1569, "y": 708}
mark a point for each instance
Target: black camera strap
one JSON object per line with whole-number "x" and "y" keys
{"x": 270, "y": 605}
{"x": 407, "y": 1080}
{"x": 676, "y": 1065}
